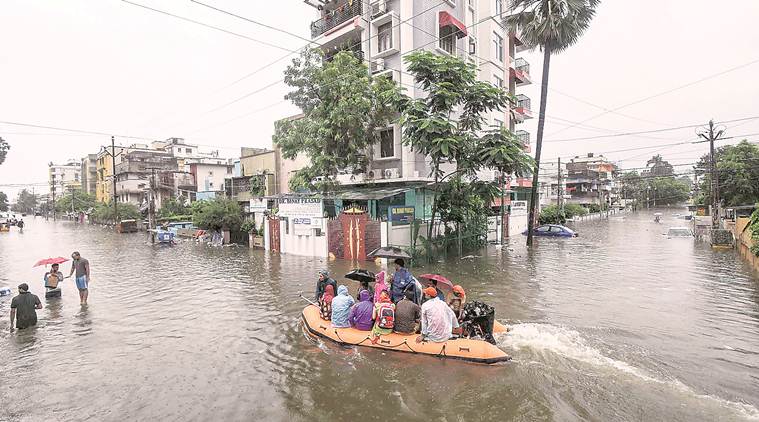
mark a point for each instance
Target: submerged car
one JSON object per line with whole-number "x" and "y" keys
{"x": 552, "y": 230}
{"x": 679, "y": 232}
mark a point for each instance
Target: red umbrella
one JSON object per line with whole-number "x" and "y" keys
{"x": 439, "y": 278}
{"x": 49, "y": 261}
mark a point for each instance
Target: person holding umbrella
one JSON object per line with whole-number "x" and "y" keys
{"x": 402, "y": 280}
{"x": 52, "y": 278}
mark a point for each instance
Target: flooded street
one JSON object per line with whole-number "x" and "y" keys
{"x": 619, "y": 324}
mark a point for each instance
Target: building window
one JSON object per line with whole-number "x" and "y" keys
{"x": 448, "y": 39}
{"x": 498, "y": 81}
{"x": 210, "y": 173}
{"x": 387, "y": 143}
{"x": 498, "y": 46}
{"x": 472, "y": 46}
{"x": 498, "y": 7}
{"x": 229, "y": 170}
{"x": 385, "y": 37}
{"x": 498, "y": 123}
{"x": 189, "y": 150}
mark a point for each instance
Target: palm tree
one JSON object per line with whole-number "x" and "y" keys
{"x": 552, "y": 25}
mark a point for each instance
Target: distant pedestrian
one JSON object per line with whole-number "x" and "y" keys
{"x": 82, "y": 268}
{"x": 20, "y": 225}
{"x": 24, "y": 308}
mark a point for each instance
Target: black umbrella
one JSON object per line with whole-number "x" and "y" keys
{"x": 360, "y": 275}
{"x": 390, "y": 252}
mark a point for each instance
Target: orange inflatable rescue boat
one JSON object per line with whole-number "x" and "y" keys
{"x": 472, "y": 350}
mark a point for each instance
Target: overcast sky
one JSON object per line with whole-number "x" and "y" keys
{"x": 109, "y": 66}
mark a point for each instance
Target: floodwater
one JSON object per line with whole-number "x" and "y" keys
{"x": 619, "y": 324}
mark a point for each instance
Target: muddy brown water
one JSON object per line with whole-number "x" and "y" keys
{"x": 618, "y": 324}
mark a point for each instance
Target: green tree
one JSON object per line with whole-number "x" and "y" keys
{"x": 656, "y": 166}
{"x": 26, "y": 201}
{"x": 554, "y": 26}
{"x": 104, "y": 213}
{"x": 754, "y": 227}
{"x": 217, "y": 214}
{"x": 343, "y": 105}
{"x": 4, "y": 147}
{"x": 3, "y": 202}
{"x": 258, "y": 185}
{"x": 82, "y": 202}
{"x": 738, "y": 171}
{"x": 174, "y": 207}
{"x": 432, "y": 126}
{"x": 554, "y": 214}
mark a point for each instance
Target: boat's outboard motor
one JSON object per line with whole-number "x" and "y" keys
{"x": 477, "y": 320}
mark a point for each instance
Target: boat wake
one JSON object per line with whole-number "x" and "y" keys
{"x": 546, "y": 339}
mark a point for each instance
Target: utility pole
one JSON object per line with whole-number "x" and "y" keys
{"x": 560, "y": 191}
{"x": 52, "y": 190}
{"x": 710, "y": 134}
{"x": 113, "y": 164}
{"x": 151, "y": 204}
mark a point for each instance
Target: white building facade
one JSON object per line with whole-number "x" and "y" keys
{"x": 472, "y": 30}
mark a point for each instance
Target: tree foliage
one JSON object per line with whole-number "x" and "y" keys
{"x": 217, "y": 214}
{"x": 647, "y": 189}
{"x": 4, "y": 147}
{"x": 738, "y": 172}
{"x": 754, "y": 228}
{"x": 343, "y": 106}
{"x": 554, "y": 25}
{"x": 657, "y": 167}
{"x": 25, "y": 202}
{"x": 449, "y": 126}
{"x": 3, "y": 202}
{"x": 553, "y": 214}
{"x": 174, "y": 207}
{"x": 104, "y": 213}
{"x": 83, "y": 202}
{"x": 258, "y": 185}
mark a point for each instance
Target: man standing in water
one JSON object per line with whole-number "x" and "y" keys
{"x": 82, "y": 268}
{"x": 24, "y": 306}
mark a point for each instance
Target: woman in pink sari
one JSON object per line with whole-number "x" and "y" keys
{"x": 379, "y": 286}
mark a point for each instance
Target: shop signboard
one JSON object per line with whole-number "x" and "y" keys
{"x": 401, "y": 216}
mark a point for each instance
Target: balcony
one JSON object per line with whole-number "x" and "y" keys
{"x": 522, "y": 111}
{"x": 524, "y": 136}
{"x": 335, "y": 16}
{"x": 519, "y": 45}
{"x": 520, "y": 71}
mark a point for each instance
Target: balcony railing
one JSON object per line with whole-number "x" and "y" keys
{"x": 523, "y": 136}
{"x": 333, "y": 18}
{"x": 522, "y": 65}
{"x": 523, "y": 101}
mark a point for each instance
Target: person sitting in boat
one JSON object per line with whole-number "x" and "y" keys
{"x": 360, "y": 316}
{"x": 407, "y": 315}
{"x": 53, "y": 277}
{"x": 341, "y": 307}
{"x": 433, "y": 284}
{"x": 384, "y": 317}
{"x": 438, "y": 319}
{"x": 324, "y": 280}
{"x": 402, "y": 280}
{"x": 379, "y": 285}
{"x": 364, "y": 285}
{"x": 325, "y": 303}
{"x": 456, "y": 300}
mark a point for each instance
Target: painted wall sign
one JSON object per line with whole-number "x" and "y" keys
{"x": 401, "y": 216}
{"x": 518, "y": 207}
{"x": 258, "y": 205}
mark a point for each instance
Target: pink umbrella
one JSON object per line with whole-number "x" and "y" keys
{"x": 49, "y": 261}
{"x": 439, "y": 278}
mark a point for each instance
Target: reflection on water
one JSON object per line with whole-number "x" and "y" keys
{"x": 620, "y": 323}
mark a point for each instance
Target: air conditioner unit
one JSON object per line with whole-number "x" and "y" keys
{"x": 379, "y": 7}
{"x": 379, "y": 65}
{"x": 375, "y": 174}
{"x": 392, "y": 173}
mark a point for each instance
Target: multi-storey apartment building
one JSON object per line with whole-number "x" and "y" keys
{"x": 470, "y": 29}
{"x": 143, "y": 169}
{"x": 591, "y": 180}
{"x": 62, "y": 177}
{"x": 89, "y": 174}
